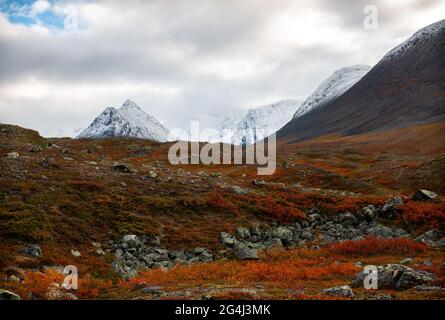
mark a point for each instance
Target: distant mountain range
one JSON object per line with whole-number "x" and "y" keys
{"x": 406, "y": 87}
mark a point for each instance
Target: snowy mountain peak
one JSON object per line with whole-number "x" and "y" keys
{"x": 334, "y": 86}
{"x": 420, "y": 35}
{"x": 263, "y": 121}
{"x": 127, "y": 121}
{"x": 129, "y": 104}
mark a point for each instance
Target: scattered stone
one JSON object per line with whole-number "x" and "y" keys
{"x": 239, "y": 190}
{"x": 429, "y": 236}
{"x": 152, "y": 174}
{"x": 427, "y": 263}
{"x": 13, "y": 155}
{"x": 227, "y": 239}
{"x": 388, "y": 209}
{"x": 425, "y": 195}
{"x": 75, "y": 253}
{"x": 427, "y": 288}
{"x": 341, "y": 291}
{"x": 258, "y": 182}
{"x": 35, "y": 148}
{"x": 406, "y": 261}
{"x": 57, "y": 292}
{"x": 243, "y": 233}
{"x": 396, "y": 276}
{"x": 121, "y": 168}
{"x": 8, "y": 295}
{"x": 151, "y": 289}
{"x": 33, "y": 251}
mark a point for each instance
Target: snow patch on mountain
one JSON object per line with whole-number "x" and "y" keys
{"x": 263, "y": 121}
{"x": 127, "y": 121}
{"x": 211, "y": 129}
{"x": 420, "y": 35}
{"x": 334, "y": 86}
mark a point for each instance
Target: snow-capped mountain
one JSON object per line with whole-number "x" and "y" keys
{"x": 420, "y": 35}
{"x": 338, "y": 83}
{"x": 263, "y": 121}
{"x": 211, "y": 129}
{"x": 127, "y": 121}
{"x": 402, "y": 90}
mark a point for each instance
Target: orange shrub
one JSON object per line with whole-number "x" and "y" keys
{"x": 427, "y": 214}
{"x": 376, "y": 246}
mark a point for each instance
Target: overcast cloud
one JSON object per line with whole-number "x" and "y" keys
{"x": 185, "y": 57}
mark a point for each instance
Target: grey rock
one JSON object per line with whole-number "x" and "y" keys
{"x": 425, "y": 195}
{"x": 273, "y": 243}
{"x": 13, "y": 155}
{"x": 121, "y": 168}
{"x": 8, "y": 295}
{"x": 380, "y": 231}
{"x": 397, "y": 277}
{"x": 341, "y": 291}
{"x": 245, "y": 253}
{"x": 33, "y": 251}
{"x": 282, "y": 233}
{"x": 243, "y": 233}
{"x": 406, "y": 261}
{"x": 227, "y": 239}
{"x": 388, "y": 209}
{"x": 239, "y": 190}
{"x": 429, "y": 236}
{"x": 369, "y": 212}
{"x": 428, "y": 288}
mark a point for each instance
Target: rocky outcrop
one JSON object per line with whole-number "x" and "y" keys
{"x": 133, "y": 254}
{"x": 324, "y": 230}
{"x": 425, "y": 195}
{"x": 396, "y": 277}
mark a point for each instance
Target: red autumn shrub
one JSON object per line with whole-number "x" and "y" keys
{"x": 376, "y": 246}
{"x": 430, "y": 215}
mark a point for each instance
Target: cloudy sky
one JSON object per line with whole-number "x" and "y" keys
{"x": 63, "y": 62}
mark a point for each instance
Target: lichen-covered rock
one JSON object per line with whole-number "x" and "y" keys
{"x": 33, "y": 250}
{"x": 397, "y": 277}
{"x": 227, "y": 239}
{"x": 245, "y": 253}
{"x": 425, "y": 195}
{"x": 8, "y": 295}
{"x": 341, "y": 291}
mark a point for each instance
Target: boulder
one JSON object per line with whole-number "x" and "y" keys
{"x": 282, "y": 233}
{"x": 239, "y": 190}
{"x": 33, "y": 251}
{"x": 380, "y": 231}
{"x": 227, "y": 239}
{"x": 245, "y": 253}
{"x": 425, "y": 195}
{"x": 429, "y": 236}
{"x": 341, "y": 291}
{"x": 75, "y": 253}
{"x": 121, "y": 168}
{"x": 243, "y": 233}
{"x": 8, "y": 295}
{"x": 388, "y": 209}
{"x": 13, "y": 155}
{"x": 369, "y": 213}
{"x": 396, "y": 277}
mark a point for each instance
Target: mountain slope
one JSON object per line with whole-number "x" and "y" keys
{"x": 340, "y": 81}
{"x": 260, "y": 122}
{"x": 128, "y": 121}
{"x": 406, "y": 87}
